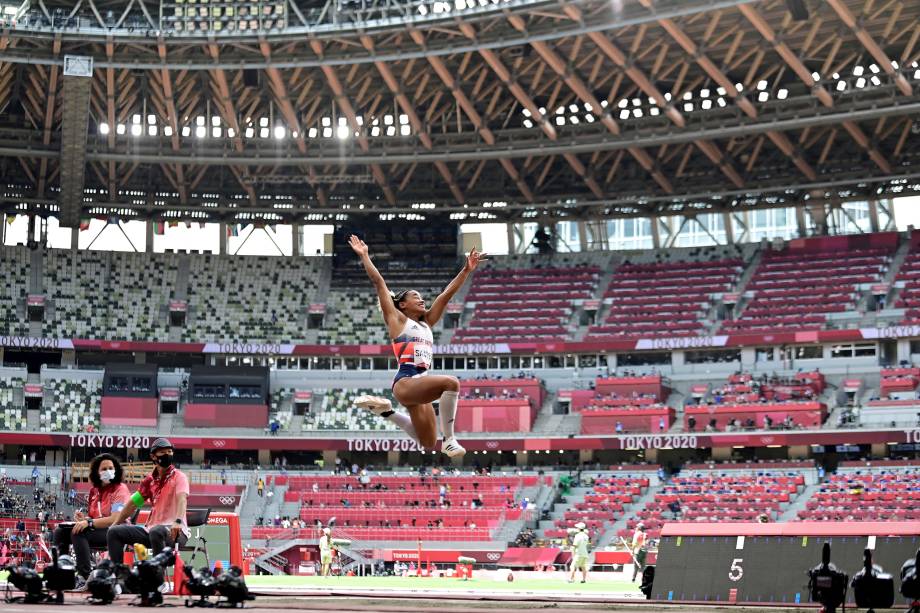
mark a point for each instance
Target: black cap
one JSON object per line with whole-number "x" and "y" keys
{"x": 160, "y": 443}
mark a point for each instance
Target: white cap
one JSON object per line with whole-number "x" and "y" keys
{"x": 581, "y": 525}
{"x": 327, "y": 531}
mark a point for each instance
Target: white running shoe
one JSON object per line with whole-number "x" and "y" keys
{"x": 452, "y": 448}
{"x": 374, "y": 404}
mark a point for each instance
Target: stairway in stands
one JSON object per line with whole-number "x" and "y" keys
{"x": 575, "y": 495}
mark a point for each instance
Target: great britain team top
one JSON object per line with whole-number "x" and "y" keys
{"x": 414, "y": 345}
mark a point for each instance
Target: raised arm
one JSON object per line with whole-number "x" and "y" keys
{"x": 391, "y": 314}
{"x": 436, "y": 311}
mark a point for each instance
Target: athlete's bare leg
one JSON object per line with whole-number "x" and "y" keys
{"x": 425, "y": 424}
{"x": 412, "y": 392}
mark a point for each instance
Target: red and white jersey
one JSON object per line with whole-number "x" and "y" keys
{"x": 414, "y": 345}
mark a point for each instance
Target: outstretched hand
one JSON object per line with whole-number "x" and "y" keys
{"x": 357, "y": 245}
{"x": 474, "y": 258}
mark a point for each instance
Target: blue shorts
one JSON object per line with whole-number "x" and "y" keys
{"x": 408, "y": 370}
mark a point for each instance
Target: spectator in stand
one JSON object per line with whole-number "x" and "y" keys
{"x": 107, "y": 497}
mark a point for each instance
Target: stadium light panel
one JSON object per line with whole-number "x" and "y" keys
{"x": 375, "y": 131}
{"x": 215, "y": 120}
{"x": 120, "y": 129}
{"x": 327, "y": 132}
{"x": 249, "y": 132}
{"x": 816, "y": 76}
{"x": 720, "y": 91}
{"x": 704, "y": 93}
{"x": 707, "y": 104}
{"x": 573, "y": 108}
{"x": 136, "y": 119}
{"x": 387, "y": 120}
{"x": 637, "y": 102}
{"x": 860, "y": 82}
{"x": 136, "y": 130}
{"x": 151, "y": 119}
{"x": 201, "y": 132}
{"x": 874, "y": 68}
{"x": 857, "y": 71}
{"x": 841, "y": 85}
{"x": 263, "y": 132}
{"x": 263, "y": 122}
{"x": 186, "y": 130}
{"x": 589, "y": 118}
{"x": 199, "y": 121}
{"x": 560, "y": 120}
{"x": 623, "y": 103}
{"x": 526, "y": 112}
{"x": 151, "y": 130}
{"x": 542, "y": 110}
{"x": 654, "y": 112}
{"x": 739, "y": 87}
{"x": 341, "y": 132}
{"x": 894, "y": 64}
{"x": 763, "y": 97}
{"x": 624, "y": 114}
{"x": 782, "y": 94}
{"x": 761, "y": 85}
{"x": 688, "y": 107}
{"x": 279, "y": 132}
{"x": 404, "y": 120}
{"x": 103, "y": 128}
{"x": 574, "y": 120}
{"x": 312, "y": 132}
{"x": 215, "y": 132}
{"x": 231, "y": 132}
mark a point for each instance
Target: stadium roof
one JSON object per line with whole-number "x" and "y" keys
{"x": 481, "y": 109}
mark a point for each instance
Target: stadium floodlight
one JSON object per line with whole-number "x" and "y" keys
{"x": 103, "y": 128}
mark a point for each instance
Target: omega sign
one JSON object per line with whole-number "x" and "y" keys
{"x": 382, "y": 444}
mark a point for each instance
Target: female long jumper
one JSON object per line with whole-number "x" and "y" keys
{"x": 409, "y": 324}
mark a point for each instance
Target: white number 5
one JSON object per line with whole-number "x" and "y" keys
{"x": 736, "y": 572}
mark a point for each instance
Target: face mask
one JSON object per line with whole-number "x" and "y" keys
{"x": 107, "y": 475}
{"x": 164, "y": 461}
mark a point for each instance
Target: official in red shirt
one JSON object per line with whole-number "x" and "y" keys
{"x": 166, "y": 490}
{"x": 107, "y": 498}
